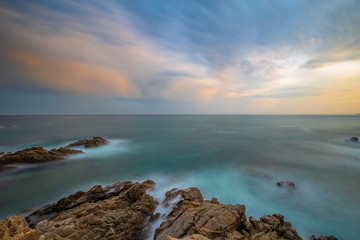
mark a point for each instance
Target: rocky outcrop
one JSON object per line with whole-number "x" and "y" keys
{"x": 89, "y": 143}
{"x": 41, "y": 155}
{"x": 125, "y": 211}
{"x": 194, "y": 218}
{"x": 37, "y": 155}
{"x": 119, "y": 211}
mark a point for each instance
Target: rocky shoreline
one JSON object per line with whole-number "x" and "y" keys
{"x": 126, "y": 210}
{"x": 41, "y": 155}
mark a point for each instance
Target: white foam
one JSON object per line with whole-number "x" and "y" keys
{"x": 163, "y": 212}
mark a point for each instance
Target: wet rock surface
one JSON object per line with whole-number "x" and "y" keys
{"x": 89, "y": 143}
{"x": 125, "y": 211}
{"x": 37, "y": 155}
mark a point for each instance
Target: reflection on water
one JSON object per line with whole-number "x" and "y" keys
{"x": 237, "y": 159}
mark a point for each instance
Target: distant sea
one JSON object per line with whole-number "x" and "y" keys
{"x": 235, "y": 158}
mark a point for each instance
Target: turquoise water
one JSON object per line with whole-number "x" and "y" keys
{"x": 236, "y": 158}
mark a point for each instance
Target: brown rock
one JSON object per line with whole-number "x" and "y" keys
{"x": 37, "y": 155}
{"x": 89, "y": 143}
{"x": 119, "y": 211}
{"x": 212, "y": 220}
{"x": 16, "y": 228}
{"x": 192, "y": 237}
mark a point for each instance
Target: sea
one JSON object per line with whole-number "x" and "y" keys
{"x": 235, "y": 158}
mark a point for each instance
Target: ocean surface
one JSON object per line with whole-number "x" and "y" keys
{"x": 235, "y": 158}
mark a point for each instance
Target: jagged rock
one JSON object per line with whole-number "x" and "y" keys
{"x": 288, "y": 184}
{"x": 89, "y": 143}
{"x": 354, "y": 139}
{"x": 193, "y": 217}
{"x": 119, "y": 211}
{"x": 37, "y": 155}
{"x": 16, "y": 228}
{"x": 124, "y": 211}
{"x": 323, "y": 238}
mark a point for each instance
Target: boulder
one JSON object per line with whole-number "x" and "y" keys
{"x": 88, "y": 143}
{"x": 354, "y": 139}
{"x": 37, "y": 155}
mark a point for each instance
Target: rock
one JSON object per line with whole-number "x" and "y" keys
{"x": 192, "y": 237}
{"x": 354, "y": 139}
{"x": 194, "y": 218}
{"x": 323, "y": 238}
{"x": 37, "y": 155}
{"x": 89, "y": 143}
{"x": 289, "y": 184}
{"x": 125, "y": 211}
{"x": 14, "y": 228}
{"x": 119, "y": 211}
{"x": 280, "y": 183}
{"x": 2, "y": 153}
{"x": 193, "y": 215}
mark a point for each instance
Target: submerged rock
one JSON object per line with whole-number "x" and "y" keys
{"x": 89, "y": 143}
{"x": 37, "y": 155}
{"x": 288, "y": 184}
{"x": 8, "y": 126}
{"x": 323, "y": 238}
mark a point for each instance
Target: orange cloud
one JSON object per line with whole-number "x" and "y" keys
{"x": 75, "y": 76}
{"x": 207, "y": 94}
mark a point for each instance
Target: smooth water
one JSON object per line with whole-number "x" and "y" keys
{"x": 236, "y": 158}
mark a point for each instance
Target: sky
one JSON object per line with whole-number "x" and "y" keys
{"x": 180, "y": 57}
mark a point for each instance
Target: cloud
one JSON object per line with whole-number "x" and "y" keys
{"x": 75, "y": 76}
{"x": 242, "y": 56}
{"x": 107, "y": 57}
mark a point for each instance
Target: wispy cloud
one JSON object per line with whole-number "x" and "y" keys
{"x": 259, "y": 57}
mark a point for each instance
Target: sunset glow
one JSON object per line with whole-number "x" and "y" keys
{"x": 180, "y": 57}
